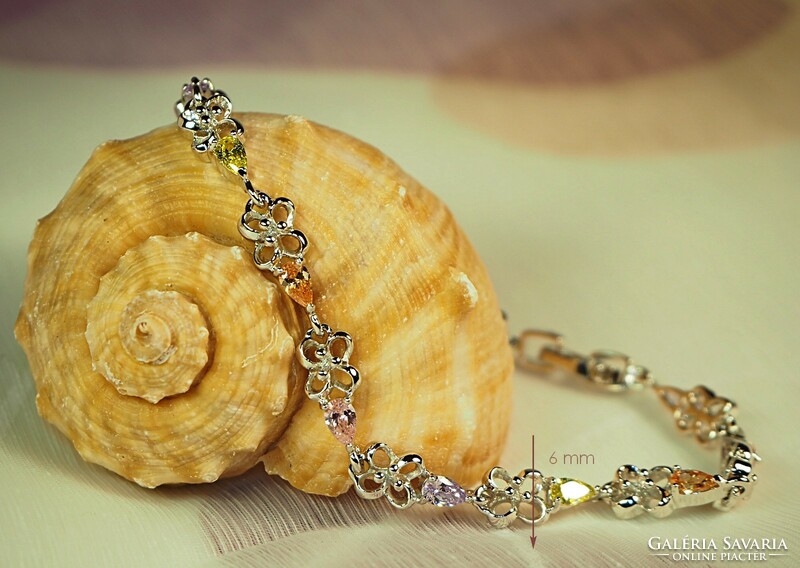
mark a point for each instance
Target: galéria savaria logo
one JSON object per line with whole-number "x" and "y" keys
{"x": 688, "y": 549}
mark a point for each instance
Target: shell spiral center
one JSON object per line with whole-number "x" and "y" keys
{"x": 147, "y": 327}
{"x": 147, "y": 341}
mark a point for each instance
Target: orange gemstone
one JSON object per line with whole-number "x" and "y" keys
{"x": 296, "y": 281}
{"x": 692, "y": 481}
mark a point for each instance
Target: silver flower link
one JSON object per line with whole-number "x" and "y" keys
{"x": 634, "y": 491}
{"x": 270, "y": 234}
{"x": 501, "y": 495}
{"x": 400, "y": 479}
{"x": 206, "y": 112}
{"x": 701, "y": 412}
{"x": 323, "y": 364}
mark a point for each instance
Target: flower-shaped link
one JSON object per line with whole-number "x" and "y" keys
{"x": 635, "y": 491}
{"x": 701, "y": 412}
{"x": 503, "y": 497}
{"x": 328, "y": 365}
{"x": 206, "y": 113}
{"x": 379, "y": 472}
{"x": 272, "y": 231}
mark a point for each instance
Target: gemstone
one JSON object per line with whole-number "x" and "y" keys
{"x": 671, "y": 396}
{"x": 296, "y": 281}
{"x": 443, "y": 492}
{"x": 231, "y": 153}
{"x": 188, "y": 91}
{"x": 340, "y": 417}
{"x": 571, "y": 491}
{"x": 206, "y": 85}
{"x": 690, "y": 481}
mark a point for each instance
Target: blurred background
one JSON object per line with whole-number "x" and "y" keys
{"x": 628, "y": 171}
{"x": 586, "y": 76}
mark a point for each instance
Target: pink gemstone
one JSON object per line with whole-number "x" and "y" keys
{"x": 340, "y": 417}
{"x": 443, "y": 492}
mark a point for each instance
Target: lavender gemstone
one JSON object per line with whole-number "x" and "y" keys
{"x": 443, "y": 492}
{"x": 188, "y": 91}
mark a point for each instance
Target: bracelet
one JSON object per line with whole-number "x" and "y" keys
{"x": 378, "y": 471}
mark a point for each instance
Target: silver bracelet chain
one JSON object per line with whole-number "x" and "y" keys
{"x": 378, "y": 471}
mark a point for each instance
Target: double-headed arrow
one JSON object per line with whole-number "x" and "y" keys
{"x": 533, "y": 467}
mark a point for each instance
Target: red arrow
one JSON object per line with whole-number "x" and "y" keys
{"x": 533, "y": 466}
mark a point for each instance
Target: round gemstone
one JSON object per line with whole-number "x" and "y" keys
{"x": 340, "y": 417}
{"x": 443, "y": 492}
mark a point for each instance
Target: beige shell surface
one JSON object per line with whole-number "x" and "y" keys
{"x": 165, "y": 355}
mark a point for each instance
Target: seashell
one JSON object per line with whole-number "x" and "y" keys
{"x": 166, "y": 356}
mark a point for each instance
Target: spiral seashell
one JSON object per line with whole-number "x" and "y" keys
{"x": 164, "y": 354}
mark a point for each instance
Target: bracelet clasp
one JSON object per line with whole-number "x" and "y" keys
{"x": 611, "y": 369}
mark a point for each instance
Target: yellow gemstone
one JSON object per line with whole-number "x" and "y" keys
{"x": 231, "y": 154}
{"x": 690, "y": 481}
{"x": 571, "y": 491}
{"x": 296, "y": 281}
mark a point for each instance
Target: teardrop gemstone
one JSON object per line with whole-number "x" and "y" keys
{"x": 340, "y": 417}
{"x": 690, "y": 481}
{"x": 443, "y": 491}
{"x": 231, "y": 153}
{"x": 296, "y": 281}
{"x": 571, "y": 491}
